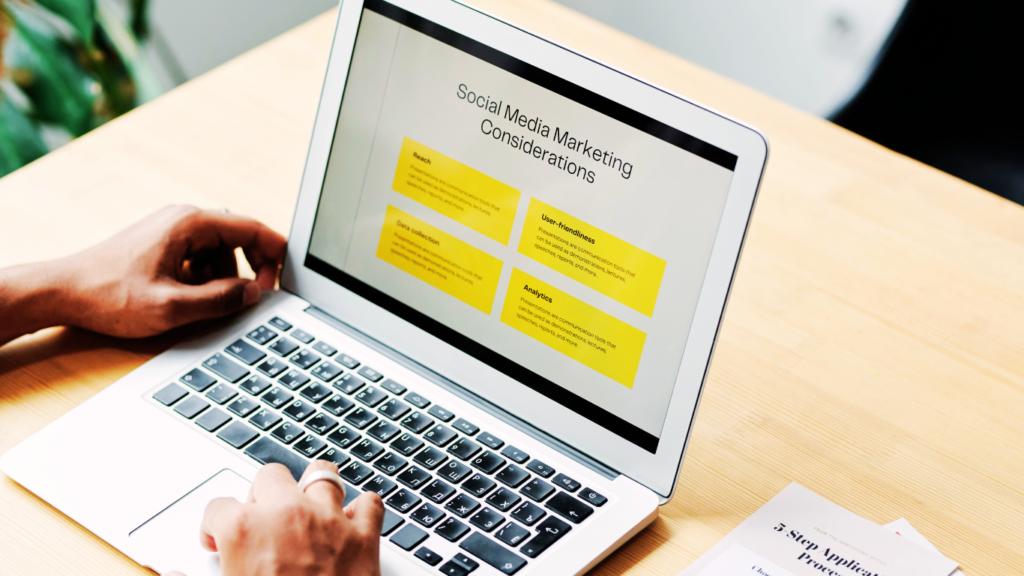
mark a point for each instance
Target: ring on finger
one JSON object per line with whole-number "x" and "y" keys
{"x": 319, "y": 475}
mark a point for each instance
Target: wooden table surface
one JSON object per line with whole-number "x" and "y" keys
{"x": 873, "y": 350}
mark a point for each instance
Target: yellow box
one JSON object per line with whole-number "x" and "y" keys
{"x": 456, "y": 190}
{"x": 441, "y": 260}
{"x": 592, "y": 257}
{"x": 573, "y": 327}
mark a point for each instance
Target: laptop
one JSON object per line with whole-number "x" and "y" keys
{"x": 505, "y": 276}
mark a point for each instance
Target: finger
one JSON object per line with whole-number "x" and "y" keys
{"x": 273, "y": 482}
{"x": 367, "y": 514}
{"x": 221, "y": 518}
{"x": 325, "y": 493}
{"x": 214, "y": 299}
{"x": 263, "y": 248}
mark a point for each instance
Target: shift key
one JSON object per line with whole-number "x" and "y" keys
{"x": 492, "y": 553}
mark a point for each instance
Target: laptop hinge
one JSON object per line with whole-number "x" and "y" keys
{"x": 466, "y": 395}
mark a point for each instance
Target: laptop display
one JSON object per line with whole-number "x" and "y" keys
{"x": 547, "y": 231}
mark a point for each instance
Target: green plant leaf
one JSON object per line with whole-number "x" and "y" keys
{"x": 20, "y": 142}
{"x": 80, "y": 14}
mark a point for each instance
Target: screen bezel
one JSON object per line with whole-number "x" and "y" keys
{"x": 658, "y": 470}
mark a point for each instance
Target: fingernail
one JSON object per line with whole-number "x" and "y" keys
{"x": 251, "y": 294}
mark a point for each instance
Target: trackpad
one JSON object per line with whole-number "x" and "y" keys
{"x": 173, "y": 534}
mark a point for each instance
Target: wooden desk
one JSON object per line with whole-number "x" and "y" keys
{"x": 873, "y": 350}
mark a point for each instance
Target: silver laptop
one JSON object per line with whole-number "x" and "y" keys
{"x": 505, "y": 276}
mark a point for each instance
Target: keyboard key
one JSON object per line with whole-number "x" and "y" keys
{"x": 334, "y": 456}
{"x": 381, "y": 485}
{"x": 213, "y": 420}
{"x": 430, "y": 458}
{"x": 409, "y": 537}
{"x": 321, "y": 423}
{"x": 467, "y": 428}
{"x": 287, "y": 433}
{"x": 371, "y": 396}
{"x": 588, "y": 495}
{"x": 245, "y": 352}
{"x": 277, "y": 398}
{"x": 304, "y": 359}
{"x": 266, "y": 451}
{"x": 462, "y": 505}
{"x": 537, "y": 490}
{"x": 303, "y": 336}
{"x": 417, "y": 400}
{"x": 391, "y": 521}
{"x": 438, "y": 491}
{"x": 512, "y": 534}
{"x": 261, "y": 335}
{"x": 243, "y": 407}
{"x": 569, "y": 508}
{"x": 349, "y": 384}
{"x": 394, "y": 409}
{"x": 192, "y": 407}
{"x": 390, "y": 463}
{"x": 293, "y": 380}
{"x": 451, "y": 568}
{"x": 417, "y": 422}
{"x": 403, "y": 501}
{"x": 170, "y": 394}
{"x": 272, "y": 367}
{"x": 366, "y": 450}
{"x": 413, "y": 477}
{"x": 344, "y": 437}
{"x": 299, "y": 410}
{"x": 348, "y": 361}
{"x": 284, "y": 347}
{"x": 198, "y": 380}
{"x": 427, "y": 515}
{"x": 355, "y": 472}
{"x": 326, "y": 371}
{"x": 490, "y": 440}
{"x": 237, "y": 434}
{"x": 325, "y": 348}
{"x": 281, "y": 324}
{"x": 478, "y": 485}
{"x": 338, "y": 405}
{"x": 503, "y": 499}
{"x": 310, "y": 446}
{"x": 549, "y": 532}
{"x": 512, "y": 475}
{"x": 528, "y": 513}
{"x": 440, "y": 413}
{"x": 316, "y": 393}
{"x": 226, "y": 369}
{"x": 264, "y": 419}
{"x": 255, "y": 384}
{"x": 428, "y": 556}
{"x": 541, "y": 469}
{"x": 451, "y": 529}
{"x": 440, "y": 435}
{"x": 407, "y": 444}
{"x": 393, "y": 387}
{"x": 464, "y": 448}
{"x": 370, "y": 374}
{"x": 566, "y": 483}
{"x": 517, "y": 455}
{"x": 361, "y": 418}
{"x": 493, "y": 553}
{"x": 454, "y": 471}
{"x": 383, "y": 431}
{"x": 488, "y": 462}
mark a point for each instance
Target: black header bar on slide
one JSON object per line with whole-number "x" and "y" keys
{"x": 557, "y": 85}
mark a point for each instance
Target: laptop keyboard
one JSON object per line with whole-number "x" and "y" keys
{"x": 281, "y": 395}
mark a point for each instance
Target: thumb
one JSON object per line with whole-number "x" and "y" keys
{"x": 213, "y": 299}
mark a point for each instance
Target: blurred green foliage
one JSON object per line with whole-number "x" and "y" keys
{"x": 67, "y": 67}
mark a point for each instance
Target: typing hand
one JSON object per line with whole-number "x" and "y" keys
{"x": 280, "y": 531}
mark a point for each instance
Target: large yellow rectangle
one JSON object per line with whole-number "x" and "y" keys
{"x": 592, "y": 257}
{"x": 456, "y": 190}
{"x": 439, "y": 259}
{"x": 573, "y": 327}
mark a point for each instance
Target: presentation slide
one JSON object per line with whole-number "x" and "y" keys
{"x": 569, "y": 239}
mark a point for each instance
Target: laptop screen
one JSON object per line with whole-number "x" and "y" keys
{"x": 547, "y": 231}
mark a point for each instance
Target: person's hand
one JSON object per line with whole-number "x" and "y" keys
{"x": 175, "y": 267}
{"x": 280, "y": 531}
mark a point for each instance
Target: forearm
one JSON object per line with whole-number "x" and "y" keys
{"x": 33, "y": 297}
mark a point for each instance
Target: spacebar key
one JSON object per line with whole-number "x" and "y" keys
{"x": 492, "y": 553}
{"x": 266, "y": 451}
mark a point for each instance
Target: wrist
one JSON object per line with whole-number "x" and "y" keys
{"x": 33, "y": 297}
